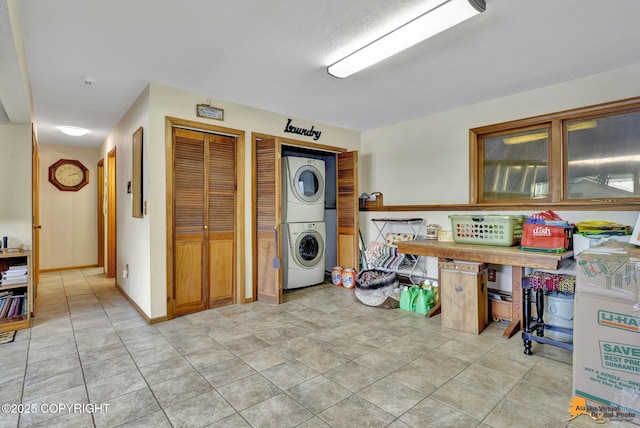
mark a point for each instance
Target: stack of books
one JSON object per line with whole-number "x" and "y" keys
{"x": 12, "y": 304}
{"x": 16, "y": 274}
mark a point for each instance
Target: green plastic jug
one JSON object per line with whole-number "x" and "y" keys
{"x": 408, "y": 298}
{"x": 415, "y": 291}
{"x": 430, "y": 298}
{"x": 405, "y": 299}
{"x": 424, "y": 301}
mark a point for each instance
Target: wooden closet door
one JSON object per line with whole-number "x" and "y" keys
{"x": 189, "y": 216}
{"x": 268, "y": 212}
{"x": 221, "y": 219}
{"x": 347, "y": 210}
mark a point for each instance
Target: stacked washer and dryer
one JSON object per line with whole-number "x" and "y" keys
{"x": 303, "y": 221}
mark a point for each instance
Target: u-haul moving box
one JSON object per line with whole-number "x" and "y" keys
{"x": 606, "y": 354}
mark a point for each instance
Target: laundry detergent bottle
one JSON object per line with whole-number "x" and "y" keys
{"x": 424, "y": 301}
{"x": 408, "y": 298}
{"x": 405, "y": 299}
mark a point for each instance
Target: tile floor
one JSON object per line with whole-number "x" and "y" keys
{"x": 321, "y": 359}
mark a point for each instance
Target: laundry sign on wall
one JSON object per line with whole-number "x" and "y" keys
{"x": 302, "y": 131}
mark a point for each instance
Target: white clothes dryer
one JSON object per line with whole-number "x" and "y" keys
{"x": 304, "y": 195}
{"x": 304, "y": 263}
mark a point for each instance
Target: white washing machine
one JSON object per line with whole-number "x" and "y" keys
{"x": 304, "y": 195}
{"x": 304, "y": 263}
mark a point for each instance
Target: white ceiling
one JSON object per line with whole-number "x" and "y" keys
{"x": 273, "y": 55}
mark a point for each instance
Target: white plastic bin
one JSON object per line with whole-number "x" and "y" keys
{"x": 558, "y": 312}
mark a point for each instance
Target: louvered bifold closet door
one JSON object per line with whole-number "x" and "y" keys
{"x": 189, "y": 216}
{"x": 267, "y": 221}
{"x": 222, "y": 219}
{"x": 347, "y": 210}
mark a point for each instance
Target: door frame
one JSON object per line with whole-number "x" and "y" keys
{"x": 280, "y": 141}
{"x": 100, "y": 192}
{"x": 170, "y": 123}
{"x": 35, "y": 211}
{"x": 111, "y": 215}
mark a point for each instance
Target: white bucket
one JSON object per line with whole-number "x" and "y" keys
{"x": 558, "y": 312}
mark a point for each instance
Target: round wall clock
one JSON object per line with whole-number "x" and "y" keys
{"x": 68, "y": 175}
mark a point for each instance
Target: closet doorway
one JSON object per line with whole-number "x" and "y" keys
{"x": 205, "y": 211}
{"x": 268, "y": 223}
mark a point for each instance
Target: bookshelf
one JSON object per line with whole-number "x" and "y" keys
{"x": 16, "y": 293}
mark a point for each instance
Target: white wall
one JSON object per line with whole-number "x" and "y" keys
{"x": 68, "y": 219}
{"x": 426, "y": 160}
{"x": 15, "y": 190}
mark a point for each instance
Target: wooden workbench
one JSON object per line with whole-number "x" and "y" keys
{"x": 510, "y": 256}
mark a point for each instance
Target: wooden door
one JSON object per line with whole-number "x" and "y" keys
{"x": 221, "y": 214}
{"x": 111, "y": 214}
{"x": 347, "y": 210}
{"x": 268, "y": 216}
{"x": 35, "y": 207}
{"x": 189, "y": 190}
{"x": 205, "y": 229}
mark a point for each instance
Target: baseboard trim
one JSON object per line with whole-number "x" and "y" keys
{"x": 137, "y": 308}
{"x": 67, "y": 268}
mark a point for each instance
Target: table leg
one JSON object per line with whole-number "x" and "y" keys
{"x": 436, "y": 309}
{"x": 527, "y": 321}
{"x": 517, "y": 323}
{"x": 540, "y": 311}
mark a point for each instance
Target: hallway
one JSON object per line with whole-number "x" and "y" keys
{"x": 320, "y": 359}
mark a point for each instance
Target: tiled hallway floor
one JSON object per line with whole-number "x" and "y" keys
{"x": 320, "y": 359}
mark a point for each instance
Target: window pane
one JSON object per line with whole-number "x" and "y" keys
{"x": 603, "y": 157}
{"x": 515, "y": 166}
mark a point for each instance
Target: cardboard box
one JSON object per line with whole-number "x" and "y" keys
{"x": 606, "y": 335}
{"x": 500, "y": 310}
{"x": 610, "y": 269}
{"x": 445, "y": 236}
{"x": 583, "y": 242}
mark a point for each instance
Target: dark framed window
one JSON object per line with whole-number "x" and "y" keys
{"x": 586, "y": 155}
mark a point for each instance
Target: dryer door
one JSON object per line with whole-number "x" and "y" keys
{"x": 308, "y": 249}
{"x": 308, "y": 184}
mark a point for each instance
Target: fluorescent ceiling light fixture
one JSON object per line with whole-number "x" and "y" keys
{"x": 74, "y": 131}
{"x": 606, "y": 161}
{"x": 445, "y": 15}
{"x": 527, "y": 138}
{"x": 583, "y": 124}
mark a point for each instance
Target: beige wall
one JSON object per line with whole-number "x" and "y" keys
{"x": 142, "y": 243}
{"x": 133, "y": 236}
{"x": 426, "y": 160}
{"x": 15, "y": 187}
{"x": 166, "y": 101}
{"x": 420, "y": 161}
{"x": 68, "y": 219}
